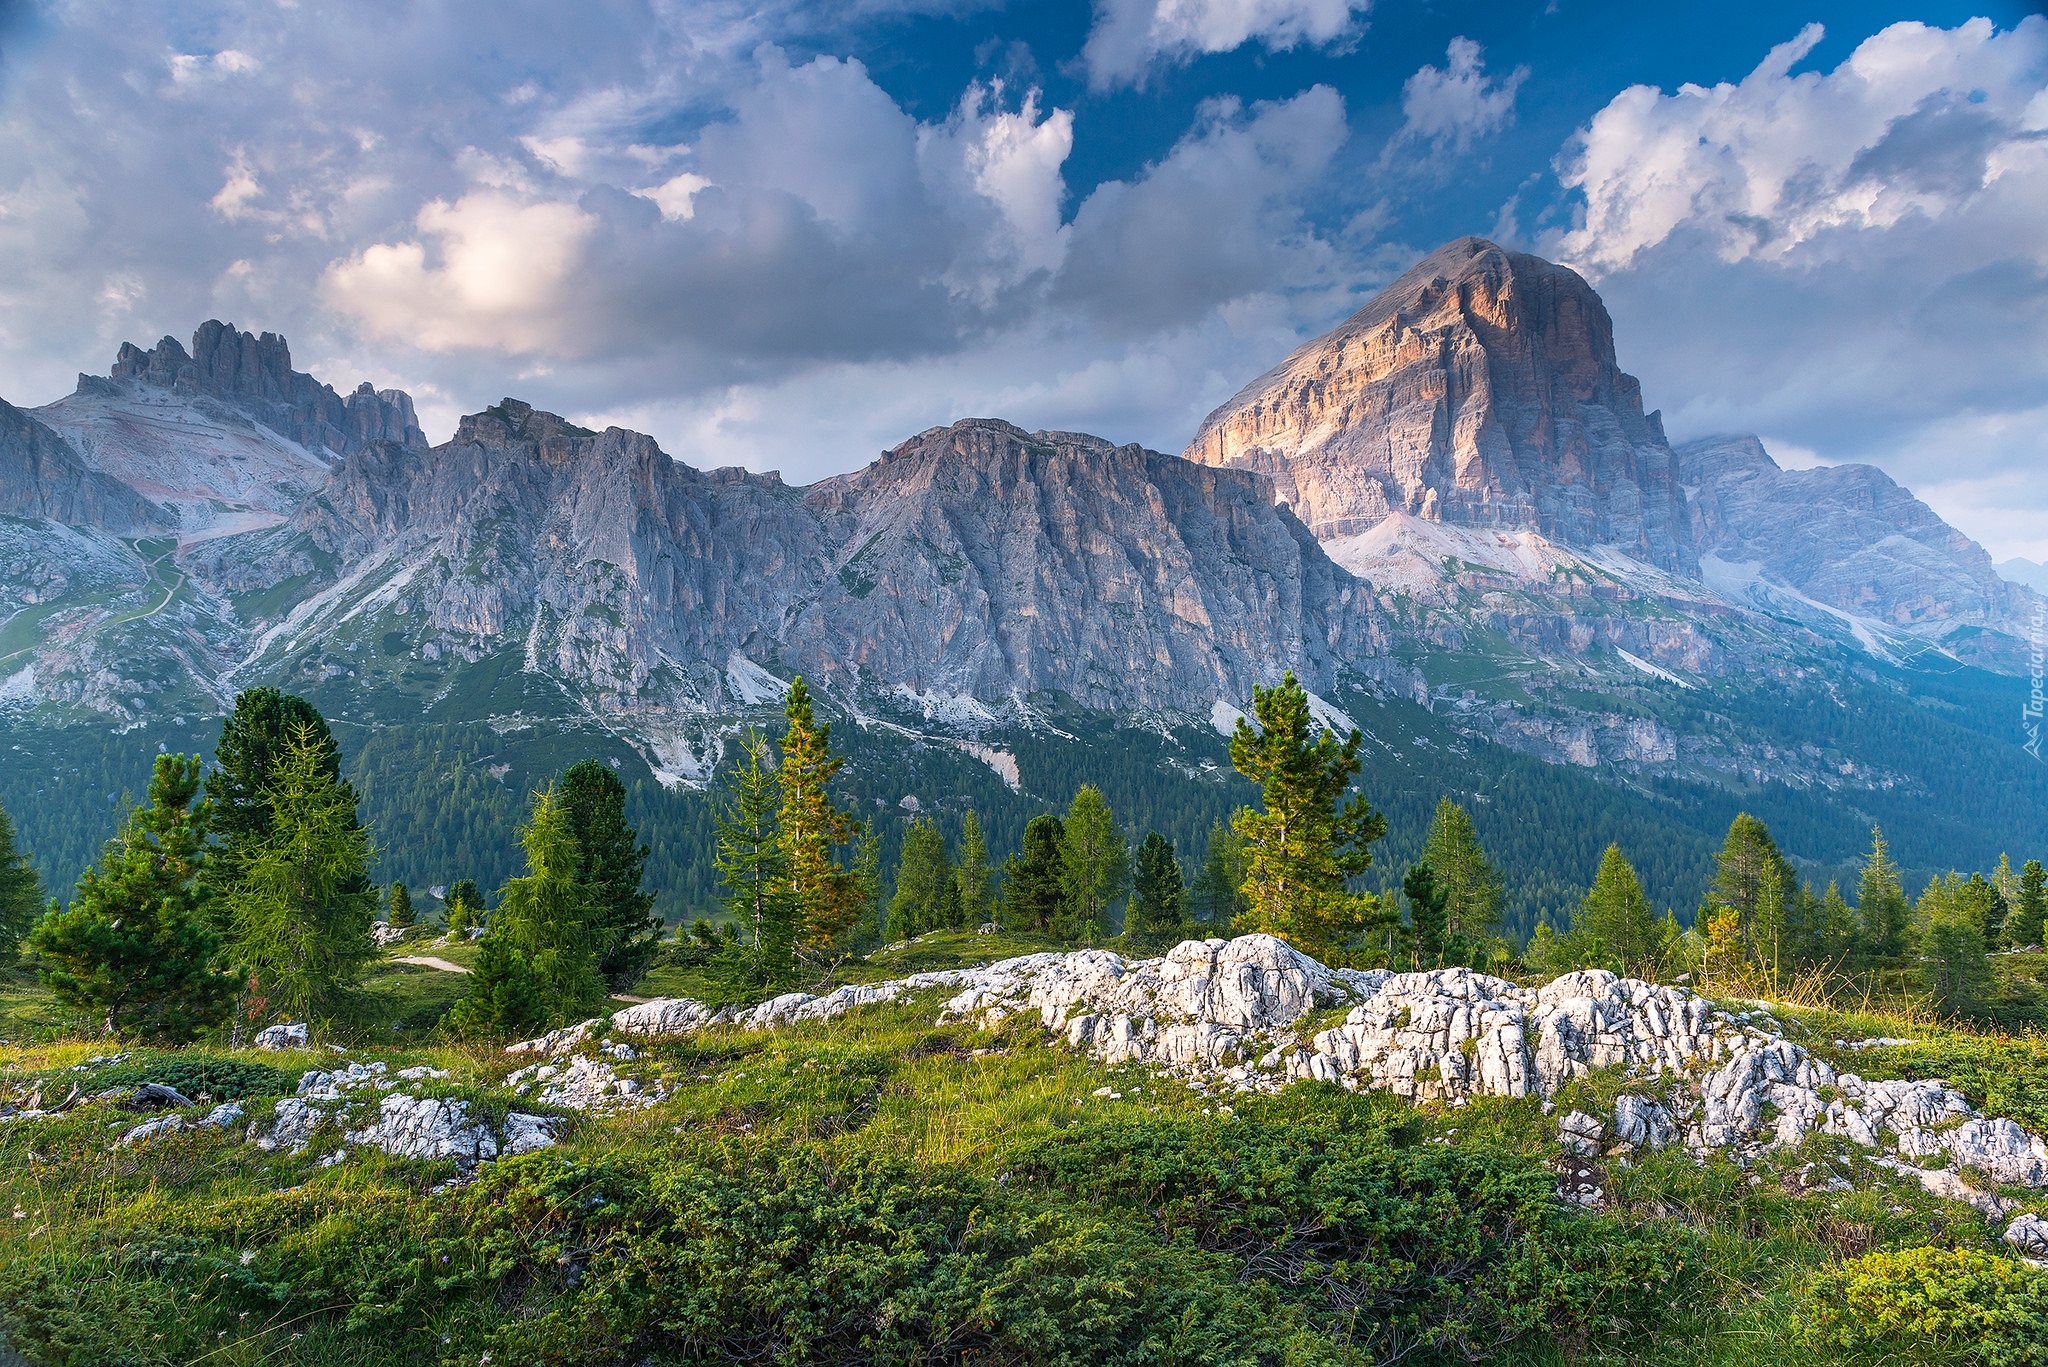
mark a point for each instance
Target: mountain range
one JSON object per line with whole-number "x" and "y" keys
{"x": 1451, "y": 516}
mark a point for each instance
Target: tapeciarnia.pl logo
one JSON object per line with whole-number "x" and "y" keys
{"x": 2030, "y": 715}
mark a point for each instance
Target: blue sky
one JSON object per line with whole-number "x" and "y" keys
{"x": 789, "y": 235}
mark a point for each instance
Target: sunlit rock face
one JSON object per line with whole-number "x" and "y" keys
{"x": 1481, "y": 389}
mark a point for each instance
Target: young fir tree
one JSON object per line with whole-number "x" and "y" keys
{"x": 546, "y": 917}
{"x": 1214, "y": 899}
{"x": 611, "y": 863}
{"x": 1095, "y": 867}
{"x": 1302, "y": 847}
{"x": 465, "y": 906}
{"x": 1835, "y": 932}
{"x": 301, "y": 906}
{"x": 1952, "y": 946}
{"x": 753, "y": 868}
{"x": 1617, "y": 917}
{"x": 1158, "y": 897}
{"x": 1034, "y": 878}
{"x": 869, "y": 929}
{"x": 973, "y": 873}
{"x": 1990, "y": 908}
{"x": 134, "y": 947}
{"x": 1472, "y": 886}
{"x": 21, "y": 892}
{"x": 927, "y": 897}
{"x": 2030, "y": 908}
{"x": 826, "y": 896}
{"x": 2005, "y": 882}
{"x": 1428, "y": 914}
{"x": 398, "y": 913}
{"x": 1884, "y": 915}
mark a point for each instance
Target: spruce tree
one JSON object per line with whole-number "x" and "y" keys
{"x": 869, "y": 929}
{"x": 1753, "y": 880}
{"x": 753, "y": 868}
{"x": 2031, "y": 907}
{"x": 2005, "y": 883}
{"x": 1472, "y": 886}
{"x": 1158, "y": 897}
{"x": 1428, "y": 914}
{"x": 301, "y": 906}
{"x": 1619, "y": 919}
{"x": 546, "y": 916}
{"x": 926, "y": 895}
{"x": 398, "y": 908}
{"x": 1989, "y": 908}
{"x": 1214, "y": 899}
{"x": 1034, "y": 878}
{"x": 826, "y": 895}
{"x": 611, "y": 863}
{"x": 465, "y": 906}
{"x": 134, "y": 947}
{"x": 1885, "y": 916}
{"x": 1095, "y": 867}
{"x": 254, "y": 741}
{"x": 1302, "y": 847}
{"x": 973, "y": 873}
{"x": 21, "y": 892}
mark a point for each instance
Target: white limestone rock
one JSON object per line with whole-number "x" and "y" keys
{"x": 582, "y": 1084}
{"x": 291, "y": 1127}
{"x": 526, "y": 1133}
{"x": 295, "y": 1035}
{"x": 428, "y": 1128}
{"x": 2028, "y": 1234}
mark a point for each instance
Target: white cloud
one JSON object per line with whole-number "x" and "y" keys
{"x": 1129, "y": 37}
{"x": 1452, "y": 106}
{"x": 676, "y": 196}
{"x": 1918, "y": 121}
{"x": 1859, "y": 258}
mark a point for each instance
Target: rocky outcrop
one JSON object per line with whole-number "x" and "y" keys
{"x": 1253, "y": 1014}
{"x": 1479, "y": 388}
{"x": 1845, "y": 538}
{"x": 42, "y": 477}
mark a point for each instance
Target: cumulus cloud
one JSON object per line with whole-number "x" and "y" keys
{"x": 1451, "y": 106}
{"x": 1859, "y": 256}
{"x": 1130, "y": 37}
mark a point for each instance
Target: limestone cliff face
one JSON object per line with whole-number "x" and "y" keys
{"x": 42, "y": 477}
{"x": 983, "y": 560}
{"x": 976, "y": 560}
{"x": 1481, "y": 389}
{"x": 1846, "y": 536}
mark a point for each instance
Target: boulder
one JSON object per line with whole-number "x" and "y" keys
{"x": 296, "y": 1035}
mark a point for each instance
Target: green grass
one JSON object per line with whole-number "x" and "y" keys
{"x": 926, "y": 1161}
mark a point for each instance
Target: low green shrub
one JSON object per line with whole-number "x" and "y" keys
{"x": 1993, "y": 1309}
{"x": 223, "y": 1079}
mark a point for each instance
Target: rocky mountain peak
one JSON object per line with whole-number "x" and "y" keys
{"x": 1480, "y": 388}
{"x": 42, "y": 477}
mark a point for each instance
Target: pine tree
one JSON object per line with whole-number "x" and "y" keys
{"x": 1214, "y": 899}
{"x": 1095, "y": 867}
{"x": 502, "y": 1001}
{"x": 1034, "y": 877}
{"x": 973, "y": 873}
{"x": 924, "y": 878}
{"x": 1472, "y": 886}
{"x": 1428, "y": 914}
{"x": 1618, "y": 917}
{"x": 300, "y": 909}
{"x": 21, "y": 892}
{"x": 1158, "y": 897}
{"x": 134, "y": 947}
{"x": 1881, "y": 907}
{"x": 1952, "y": 945}
{"x": 753, "y": 868}
{"x": 611, "y": 863}
{"x": 546, "y": 916}
{"x": 2031, "y": 907}
{"x": 398, "y": 908}
{"x": 826, "y": 896}
{"x": 1302, "y": 848}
